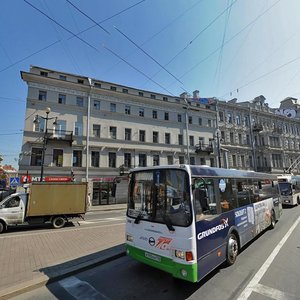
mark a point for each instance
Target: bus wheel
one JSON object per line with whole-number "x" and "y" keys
{"x": 58, "y": 222}
{"x": 232, "y": 249}
{"x": 273, "y": 220}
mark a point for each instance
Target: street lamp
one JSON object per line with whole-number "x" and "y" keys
{"x": 218, "y": 142}
{"x": 187, "y": 129}
{"x": 36, "y": 121}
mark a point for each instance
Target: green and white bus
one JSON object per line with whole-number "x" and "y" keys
{"x": 187, "y": 220}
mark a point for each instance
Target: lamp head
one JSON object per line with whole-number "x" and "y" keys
{"x": 48, "y": 110}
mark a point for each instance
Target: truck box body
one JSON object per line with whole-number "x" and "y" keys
{"x": 61, "y": 198}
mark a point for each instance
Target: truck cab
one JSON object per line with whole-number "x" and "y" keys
{"x": 12, "y": 210}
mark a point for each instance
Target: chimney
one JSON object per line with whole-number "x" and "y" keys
{"x": 196, "y": 94}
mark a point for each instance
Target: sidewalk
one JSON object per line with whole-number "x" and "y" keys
{"x": 32, "y": 259}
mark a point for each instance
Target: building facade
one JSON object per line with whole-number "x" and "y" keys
{"x": 96, "y": 131}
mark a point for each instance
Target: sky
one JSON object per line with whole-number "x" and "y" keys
{"x": 223, "y": 48}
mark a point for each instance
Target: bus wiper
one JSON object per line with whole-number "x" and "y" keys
{"x": 138, "y": 218}
{"x": 168, "y": 222}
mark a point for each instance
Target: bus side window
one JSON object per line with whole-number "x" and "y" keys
{"x": 228, "y": 199}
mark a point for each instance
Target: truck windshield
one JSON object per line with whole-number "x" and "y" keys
{"x": 160, "y": 196}
{"x": 285, "y": 188}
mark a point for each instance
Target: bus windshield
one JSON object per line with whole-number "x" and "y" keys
{"x": 285, "y": 188}
{"x": 160, "y": 195}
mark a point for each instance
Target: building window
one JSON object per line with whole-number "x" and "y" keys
{"x": 141, "y": 94}
{"x": 63, "y": 77}
{"x": 212, "y": 162}
{"x": 165, "y": 98}
{"x": 202, "y": 161}
{"x": 42, "y": 95}
{"x": 155, "y": 160}
{"x": 113, "y": 132}
{"x": 127, "y": 160}
{"x": 167, "y": 138}
{"x": 95, "y": 159}
{"x": 58, "y": 155}
{"x": 77, "y": 158}
{"x": 234, "y": 160}
{"x": 127, "y": 134}
{"x": 221, "y": 116}
{"x": 125, "y": 91}
{"x": 127, "y": 109}
{"x": 141, "y": 112}
{"x": 192, "y": 160}
{"x": 79, "y": 101}
{"x": 179, "y": 118}
{"x": 39, "y": 125}
{"x": 155, "y": 136}
{"x": 142, "y": 160}
{"x": 80, "y": 81}
{"x": 166, "y": 116}
{"x": 190, "y": 120}
{"x": 78, "y": 130}
{"x": 180, "y": 139}
{"x": 231, "y": 138}
{"x": 238, "y": 119}
{"x": 142, "y": 136}
{"x": 113, "y": 107}
{"x": 62, "y": 99}
{"x": 97, "y": 85}
{"x": 200, "y": 121}
{"x": 191, "y": 140}
{"x": 44, "y": 74}
{"x": 112, "y": 159}
{"x": 209, "y": 123}
{"x": 152, "y": 96}
{"x": 97, "y": 104}
{"x": 36, "y": 156}
{"x": 154, "y": 114}
{"x": 170, "y": 159}
{"x": 223, "y": 136}
{"x": 96, "y": 130}
{"x": 113, "y": 88}
{"x": 240, "y": 139}
{"x": 229, "y": 118}
{"x": 181, "y": 159}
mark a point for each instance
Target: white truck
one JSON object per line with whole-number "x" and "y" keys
{"x": 45, "y": 202}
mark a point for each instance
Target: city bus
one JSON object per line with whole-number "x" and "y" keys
{"x": 289, "y": 186}
{"x": 187, "y": 219}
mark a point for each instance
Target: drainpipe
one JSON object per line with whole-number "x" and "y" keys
{"x": 88, "y": 131}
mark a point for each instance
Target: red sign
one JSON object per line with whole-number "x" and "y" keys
{"x": 28, "y": 179}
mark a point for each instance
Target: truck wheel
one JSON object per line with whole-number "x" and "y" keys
{"x": 58, "y": 222}
{"x": 2, "y": 228}
{"x": 232, "y": 249}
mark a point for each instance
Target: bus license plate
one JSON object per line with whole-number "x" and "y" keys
{"x": 153, "y": 256}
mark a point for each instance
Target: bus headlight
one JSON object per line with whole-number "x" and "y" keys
{"x": 129, "y": 238}
{"x": 180, "y": 254}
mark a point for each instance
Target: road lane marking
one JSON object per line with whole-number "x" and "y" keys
{"x": 80, "y": 290}
{"x": 272, "y": 293}
{"x": 263, "y": 269}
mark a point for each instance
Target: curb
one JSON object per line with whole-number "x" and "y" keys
{"x": 44, "y": 280}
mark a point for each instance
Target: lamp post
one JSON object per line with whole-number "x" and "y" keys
{"x": 217, "y": 135}
{"x": 36, "y": 120}
{"x": 187, "y": 129}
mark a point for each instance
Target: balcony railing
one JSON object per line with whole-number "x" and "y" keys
{"x": 257, "y": 128}
{"x": 200, "y": 148}
{"x": 60, "y": 135}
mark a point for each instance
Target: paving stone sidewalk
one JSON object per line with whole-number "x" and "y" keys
{"x": 32, "y": 259}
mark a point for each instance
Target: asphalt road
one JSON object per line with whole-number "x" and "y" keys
{"x": 268, "y": 268}
{"x": 92, "y": 218}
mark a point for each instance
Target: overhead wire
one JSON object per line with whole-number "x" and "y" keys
{"x": 85, "y": 42}
{"x": 229, "y": 40}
